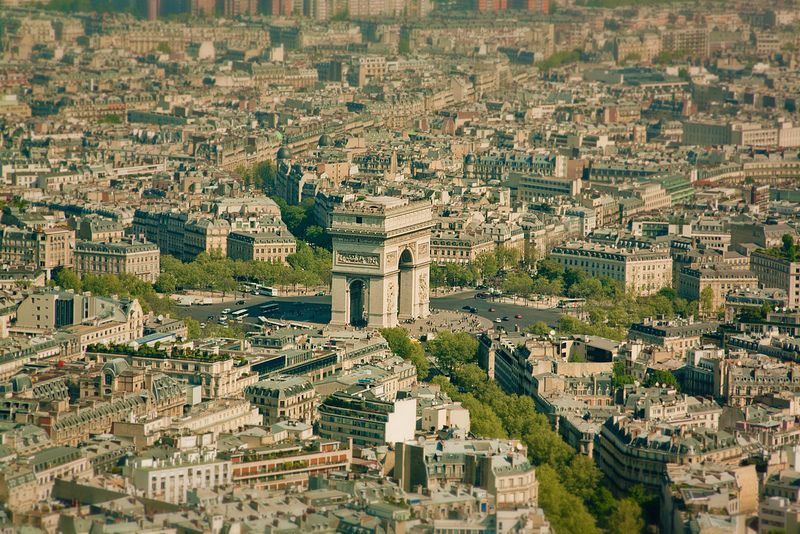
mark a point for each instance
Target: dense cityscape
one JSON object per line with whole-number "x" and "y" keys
{"x": 399, "y": 266}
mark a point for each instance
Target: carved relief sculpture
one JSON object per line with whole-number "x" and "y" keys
{"x": 354, "y": 258}
{"x": 423, "y": 287}
{"x": 391, "y": 300}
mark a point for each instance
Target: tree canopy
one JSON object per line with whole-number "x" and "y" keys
{"x": 402, "y": 345}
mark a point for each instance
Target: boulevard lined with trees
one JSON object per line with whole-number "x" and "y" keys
{"x": 572, "y": 490}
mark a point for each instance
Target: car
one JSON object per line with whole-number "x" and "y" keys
{"x": 498, "y": 320}
{"x": 492, "y": 309}
{"x": 466, "y": 308}
{"x": 518, "y": 316}
{"x": 226, "y": 311}
{"x": 482, "y": 295}
{"x": 240, "y": 302}
{"x": 321, "y": 294}
{"x": 506, "y": 318}
{"x": 202, "y": 325}
{"x": 473, "y": 310}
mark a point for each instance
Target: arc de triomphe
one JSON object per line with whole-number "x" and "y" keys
{"x": 381, "y": 262}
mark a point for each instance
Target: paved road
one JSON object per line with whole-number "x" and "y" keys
{"x": 317, "y": 309}
{"x": 529, "y": 315}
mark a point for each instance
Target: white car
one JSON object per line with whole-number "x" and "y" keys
{"x": 226, "y": 311}
{"x": 498, "y": 320}
{"x": 202, "y": 325}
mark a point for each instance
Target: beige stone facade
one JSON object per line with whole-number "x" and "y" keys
{"x": 262, "y": 246}
{"x": 642, "y": 271}
{"x": 141, "y": 259}
{"x": 381, "y": 257}
{"x": 41, "y": 249}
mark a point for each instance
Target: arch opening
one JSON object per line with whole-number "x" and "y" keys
{"x": 358, "y": 311}
{"x": 405, "y": 285}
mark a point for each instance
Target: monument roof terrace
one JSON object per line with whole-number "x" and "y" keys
{"x": 383, "y": 216}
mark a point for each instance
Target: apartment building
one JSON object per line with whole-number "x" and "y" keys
{"x": 459, "y": 246}
{"x": 218, "y": 375}
{"x": 168, "y": 474}
{"x": 634, "y": 452}
{"x": 163, "y": 396}
{"x": 692, "y": 283}
{"x": 281, "y": 398}
{"x": 177, "y": 235}
{"x": 288, "y": 465}
{"x": 689, "y": 41}
{"x": 138, "y": 258}
{"x": 641, "y": 271}
{"x": 526, "y": 188}
{"x": 100, "y": 230}
{"x": 27, "y": 481}
{"x": 776, "y": 271}
{"x": 677, "y": 336}
{"x": 383, "y": 378}
{"x": 273, "y": 247}
{"x": 220, "y": 416}
{"x": 500, "y": 467}
{"x": 46, "y": 248}
{"x": 88, "y": 318}
{"x": 366, "y": 421}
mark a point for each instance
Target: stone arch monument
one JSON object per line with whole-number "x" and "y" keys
{"x": 381, "y": 262}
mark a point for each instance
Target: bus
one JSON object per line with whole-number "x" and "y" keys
{"x": 239, "y": 313}
{"x": 269, "y": 308}
{"x": 571, "y": 303}
{"x": 266, "y": 291}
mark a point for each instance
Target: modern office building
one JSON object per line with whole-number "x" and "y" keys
{"x": 366, "y": 421}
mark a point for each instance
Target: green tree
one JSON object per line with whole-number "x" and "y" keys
{"x": 192, "y": 327}
{"x": 539, "y": 328}
{"x": 559, "y": 59}
{"x": 518, "y": 283}
{"x": 707, "y": 300}
{"x": 166, "y": 283}
{"x": 620, "y": 377}
{"x": 570, "y": 484}
{"x": 67, "y": 279}
{"x": 661, "y": 377}
{"x": 402, "y": 345}
{"x": 566, "y": 512}
{"x": 506, "y": 257}
{"x": 452, "y": 350}
{"x": 530, "y": 254}
{"x": 486, "y": 263}
{"x": 264, "y": 174}
{"x": 550, "y": 269}
{"x": 627, "y": 518}
{"x": 789, "y": 247}
{"x": 111, "y": 118}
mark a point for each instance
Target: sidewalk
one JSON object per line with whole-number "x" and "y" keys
{"x": 456, "y": 321}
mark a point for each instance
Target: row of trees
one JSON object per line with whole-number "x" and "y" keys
{"x": 124, "y": 286}
{"x": 571, "y": 487}
{"x": 301, "y": 222}
{"x": 409, "y": 349}
{"x": 309, "y": 266}
{"x": 486, "y": 266}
